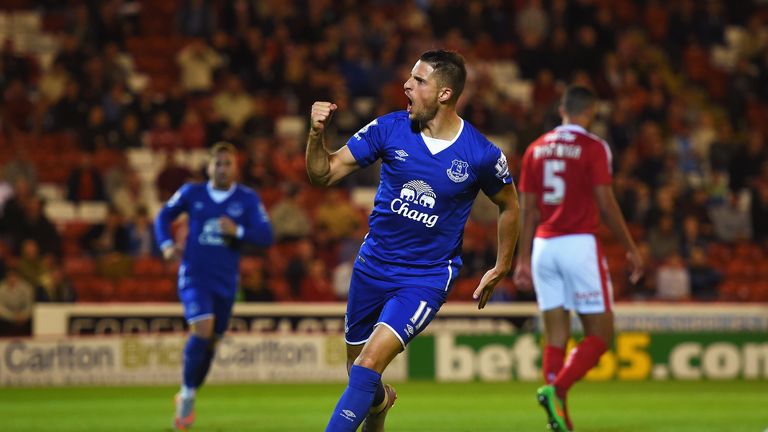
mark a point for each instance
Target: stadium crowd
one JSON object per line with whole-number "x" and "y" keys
{"x": 684, "y": 103}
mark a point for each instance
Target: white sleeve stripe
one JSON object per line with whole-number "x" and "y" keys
{"x": 608, "y": 154}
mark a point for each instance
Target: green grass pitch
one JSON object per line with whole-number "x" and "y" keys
{"x": 421, "y": 406}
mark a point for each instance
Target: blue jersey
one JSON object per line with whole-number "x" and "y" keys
{"x": 211, "y": 260}
{"x": 424, "y": 199}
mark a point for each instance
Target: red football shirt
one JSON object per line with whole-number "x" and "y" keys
{"x": 562, "y": 167}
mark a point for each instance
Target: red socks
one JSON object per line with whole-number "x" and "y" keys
{"x": 553, "y": 360}
{"x": 584, "y": 357}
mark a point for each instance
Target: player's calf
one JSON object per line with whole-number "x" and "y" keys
{"x": 374, "y": 422}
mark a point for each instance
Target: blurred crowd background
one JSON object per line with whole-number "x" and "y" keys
{"x": 109, "y": 106}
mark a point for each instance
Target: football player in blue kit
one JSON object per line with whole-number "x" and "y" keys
{"x": 433, "y": 165}
{"x": 221, "y": 214}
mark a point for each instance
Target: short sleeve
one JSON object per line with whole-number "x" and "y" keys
{"x": 601, "y": 164}
{"x": 494, "y": 171}
{"x": 178, "y": 201}
{"x": 366, "y": 145}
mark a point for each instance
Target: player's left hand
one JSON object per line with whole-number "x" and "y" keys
{"x": 487, "y": 285}
{"x": 228, "y": 226}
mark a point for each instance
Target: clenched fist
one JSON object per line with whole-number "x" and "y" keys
{"x": 321, "y": 115}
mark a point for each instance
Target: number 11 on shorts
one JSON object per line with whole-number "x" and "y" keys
{"x": 422, "y": 312}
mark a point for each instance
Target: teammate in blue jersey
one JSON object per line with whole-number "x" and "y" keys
{"x": 221, "y": 215}
{"x": 433, "y": 165}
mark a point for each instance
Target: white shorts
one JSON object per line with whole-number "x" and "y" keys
{"x": 570, "y": 271}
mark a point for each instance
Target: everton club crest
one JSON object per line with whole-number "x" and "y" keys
{"x": 458, "y": 172}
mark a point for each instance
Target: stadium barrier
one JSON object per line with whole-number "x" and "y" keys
{"x": 141, "y": 344}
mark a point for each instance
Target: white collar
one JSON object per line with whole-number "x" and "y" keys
{"x": 436, "y": 145}
{"x": 218, "y": 196}
{"x": 572, "y": 128}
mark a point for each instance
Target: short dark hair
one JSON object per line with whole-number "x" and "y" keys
{"x": 577, "y": 99}
{"x": 222, "y": 146}
{"x": 448, "y": 68}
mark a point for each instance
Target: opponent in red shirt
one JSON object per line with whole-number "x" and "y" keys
{"x": 566, "y": 185}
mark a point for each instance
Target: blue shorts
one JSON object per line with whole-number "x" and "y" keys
{"x": 202, "y": 303}
{"x": 406, "y": 305}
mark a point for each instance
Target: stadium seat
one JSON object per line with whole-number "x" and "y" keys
{"x": 148, "y": 266}
{"x": 94, "y": 289}
{"x": 92, "y": 211}
{"x": 60, "y": 212}
{"x": 132, "y": 289}
{"x": 79, "y": 266}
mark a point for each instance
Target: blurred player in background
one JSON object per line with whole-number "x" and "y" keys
{"x": 222, "y": 214}
{"x": 565, "y": 181}
{"x": 433, "y": 165}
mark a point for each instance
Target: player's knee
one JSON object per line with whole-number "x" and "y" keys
{"x": 369, "y": 362}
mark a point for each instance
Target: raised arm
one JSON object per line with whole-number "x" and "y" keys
{"x": 323, "y": 167}
{"x": 611, "y": 215}
{"x": 508, "y": 227}
{"x": 530, "y": 215}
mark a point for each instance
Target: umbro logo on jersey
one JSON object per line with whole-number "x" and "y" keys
{"x": 349, "y": 415}
{"x": 401, "y": 155}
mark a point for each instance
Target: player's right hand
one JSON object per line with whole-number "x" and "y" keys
{"x": 522, "y": 276}
{"x": 321, "y": 115}
{"x": 636, "y": 266}
{"x": 171, "y": 253}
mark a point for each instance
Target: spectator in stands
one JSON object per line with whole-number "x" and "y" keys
{"x": 747, "y": 160}
{"x": 316, "y": 286}
{"x": 141, "y": 235}
{"x": 131, "y": 135}
{"x": 20, "y": 168}
{"x": 254, "y": 281}
{"x": 35, "y": 269}
{"x": 192, "y": 130}
{"x": 339, "y": 218}
{"x": 35, "y": 225}
{"x": 691, "y": 237}
{"x": 53, "y": 83}
{"x": 703, "y": 277}
{"x": 17, "y": 108}
{"x": 145, "y": 106}
{"x": 98, "y": 134}
{"x": 17, "y": 301}
{"x": 298, "y": 266}
{"x": 341, "y": 277}
{"x": 233, "y": 105}
{"x": 290, "y": 221}
{"x": 162, "y": 136}
{"x": 71, "y": 111}
{"x": 130, "y": 195}
{"x": 171, "y": 177}
{"x": 663, "y": 239}
{"x": 196, "y": 18}
{"x": 759, "y": 206}
{"x": 258, "y": 171}
{"x": 106, "y": 238}
{"x": 115, "y": 104}
{"x": 288, "y": 159}
{"x": 730, "y": 220}
{"x": 672, "y": 279}
{"x": 85, "y": 182}
{"x": 197, "y": 62}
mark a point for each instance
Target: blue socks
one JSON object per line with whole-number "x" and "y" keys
{"x": 354, "y": 404}
{"x": 378, "y": 397}
{"x": 197, "y": 360}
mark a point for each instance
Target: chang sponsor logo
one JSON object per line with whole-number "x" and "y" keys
{"x": 416, "y": 193}
{"x": 211, "y": 235}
